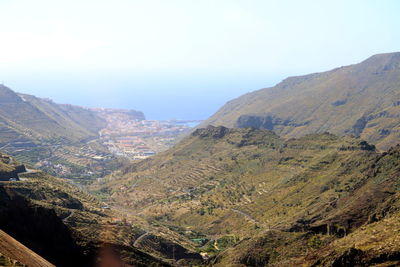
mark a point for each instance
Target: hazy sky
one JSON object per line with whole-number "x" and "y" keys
{"x": 182, "y": 59}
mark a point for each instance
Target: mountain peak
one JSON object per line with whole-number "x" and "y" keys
{"x": 382, "y": 62}
{"x": 385, "y": 56}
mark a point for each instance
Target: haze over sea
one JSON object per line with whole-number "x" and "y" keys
{"x": 159, "y": 96}
{"x": 181, "y": 59}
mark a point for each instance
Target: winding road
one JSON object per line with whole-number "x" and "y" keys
{"x": 140, "y": 238}
{"x": 249, "y": 217}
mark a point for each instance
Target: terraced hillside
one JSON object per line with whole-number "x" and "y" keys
{"x": 361, "y": 99}
{"x": 68, "y": 227}
{"x": 282, "y": 202}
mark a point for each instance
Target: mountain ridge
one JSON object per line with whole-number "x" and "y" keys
{"x": 31, "y": 118}
{"x": 360, "y": 99}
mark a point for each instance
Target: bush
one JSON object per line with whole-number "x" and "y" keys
{"x": 315, "y": 242}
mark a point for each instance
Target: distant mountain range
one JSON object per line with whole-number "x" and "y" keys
{"x": 361, "y": 99}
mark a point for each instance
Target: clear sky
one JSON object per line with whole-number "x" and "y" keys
{"x": 182, "y": 58}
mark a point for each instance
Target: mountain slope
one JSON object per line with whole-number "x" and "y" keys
{"x": 80, "y": 119}
{"x": 12, "y": 250}
{"x": 25, "y": 118}
{"x": 222, "y": 185}
{"x": 361, "y": 99}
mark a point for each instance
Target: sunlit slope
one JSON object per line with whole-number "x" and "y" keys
{"x": 368, "y": 220}
{"x": 361, "y": 99}
{"x": 223, "y": 179}
{"x": 13, "y": 253}
{"x": 247, "y": 182}
{"x": 25, "y": 118}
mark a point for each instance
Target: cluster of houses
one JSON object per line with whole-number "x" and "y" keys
{"x": 128, "y": 137}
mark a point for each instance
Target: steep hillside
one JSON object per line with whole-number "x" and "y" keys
{"x": 68, "y": 227}
{"x": 110, "y": 112}
{"x": 361, "y": 99}
{"x": 374, "y": 244}
{"x": 26, "y": 119}
{"x": 13, "y": 253}
{"x": 220, "y": 186}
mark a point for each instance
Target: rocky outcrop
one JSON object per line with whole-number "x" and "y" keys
{"x": 7, "y": 175}
{"x": 20, "y": 168}
{"x": 266, "y": 122}
{"x": 211, "y": 132}
{"x": 10, "y": 168}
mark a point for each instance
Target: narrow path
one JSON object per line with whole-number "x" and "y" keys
{"x": 69, "y": 216}
{"x": 249, "y": 217}
{"x": 216, "y": 245}
{"x": 29, "y": 171}
{"x": 140, "y": 238}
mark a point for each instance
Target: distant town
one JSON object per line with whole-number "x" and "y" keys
{"x": 127, "y": 136}
{"x": 137, "y": 139}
